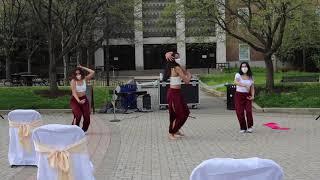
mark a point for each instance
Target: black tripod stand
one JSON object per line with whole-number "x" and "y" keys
{"x": 318, "y": 117}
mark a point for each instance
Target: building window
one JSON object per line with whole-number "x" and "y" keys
{"x": 244, "y": 52}
{"x": 317, "y": 11}
{"x": 243, "y": 12}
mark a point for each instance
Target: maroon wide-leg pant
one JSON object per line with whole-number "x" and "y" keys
{"x": 242, "y": 105}
{"x": 80, "y": 110}
{"x": 178, "y": 110}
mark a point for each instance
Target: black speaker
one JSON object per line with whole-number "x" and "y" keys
{"x": 231, "y": 90}
{"x": 146, "y": 100}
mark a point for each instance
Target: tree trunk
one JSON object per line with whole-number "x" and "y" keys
{"x": 53, "y": 87}
{"x": 8, "y": 67}
{"x": 304, "y": 59}
{"x": 78, "y": 56}
{"x": 88, "y": 57}
{"x": 269, "y": 72}
{"x": 107, "y": 62}
{"x": 29, "y": 64}
{"x": 66, "y": 60}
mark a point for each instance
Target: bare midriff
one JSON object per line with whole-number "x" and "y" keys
{"x": 80, "y": 94}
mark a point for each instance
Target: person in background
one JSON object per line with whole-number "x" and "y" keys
{"x": 178, "y": 109}
{"x": 244, "y": 96}
{"x": 79, "y": 102}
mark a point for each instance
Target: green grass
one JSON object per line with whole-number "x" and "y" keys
{"x": 299, "y": 95}
{"x": 294, "y": 96}
{"x": 26, "y": 98}
{"x": 259, "y": 75}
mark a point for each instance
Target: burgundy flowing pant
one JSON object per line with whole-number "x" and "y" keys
{"x": 80, "y": 110}
{"x": 242, "y": 105}
{"x": 178, "y": 110}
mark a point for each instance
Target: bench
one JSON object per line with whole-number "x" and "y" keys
{"x": 306, "y": 78}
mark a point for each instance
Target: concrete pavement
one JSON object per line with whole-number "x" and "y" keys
{"x": 137, "y": 148}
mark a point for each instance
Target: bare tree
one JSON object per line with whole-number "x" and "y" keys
{"x": 43, "y": 9}
{"x": 117, "y": 22}
{"x": 10, "y": 20}
{"x": 63, "y": 20}
{"x": 259, "y": 23}
{"x": 32, "y": 41}
{"x": 73, "y": 19}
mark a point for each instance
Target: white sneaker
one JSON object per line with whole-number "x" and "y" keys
{"x": 250, "y": 130}
{"x": 242, "y": 131}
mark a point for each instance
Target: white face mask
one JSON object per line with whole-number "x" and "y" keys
{"x": 244, "y": 69}
{"x": 178, "y": 61}
{"x": 78, "y": 77}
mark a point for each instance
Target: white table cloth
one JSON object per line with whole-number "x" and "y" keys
{"x": 21, "y": 149}
{"x": 60, "y": 141}
{"x": 237, "y": 169}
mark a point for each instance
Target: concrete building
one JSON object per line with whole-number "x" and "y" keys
{"x": 146, "y": 48}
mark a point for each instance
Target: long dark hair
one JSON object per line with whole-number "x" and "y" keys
{"x": 169, "y": 65}
{"x": 73, "y": 74}
{"x": 249, "y": 73}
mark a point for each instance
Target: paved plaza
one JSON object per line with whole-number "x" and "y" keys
{"x": 138, "y": 148}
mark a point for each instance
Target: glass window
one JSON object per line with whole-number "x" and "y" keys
{"x": 244, "y": 52}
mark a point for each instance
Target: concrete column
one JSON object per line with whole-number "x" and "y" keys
{"x": 180, "y": 31}
{"x": 98, "y": 54}
{"x": 138, "y": 35}
{"x": 221, "y": 41}
{"x": 99, "y": 57}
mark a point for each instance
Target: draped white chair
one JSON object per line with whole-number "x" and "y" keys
{"x": 63, "y": 154}
{"x": 21, "y": 148}
{"x": 237, "y": 169}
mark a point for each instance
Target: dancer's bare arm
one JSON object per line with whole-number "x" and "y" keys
{"x": 252, "y": 92}
{"x": 185, "y": 76}
{"x": 91, "y": 72}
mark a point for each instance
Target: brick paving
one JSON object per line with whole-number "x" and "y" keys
{"x": 137, "y": 148}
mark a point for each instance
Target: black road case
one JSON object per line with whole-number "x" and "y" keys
{"x": 189, "y": 91}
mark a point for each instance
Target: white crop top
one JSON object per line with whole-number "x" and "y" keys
{"x": 247, "y": 82}
{"x": 81, "y": 88}
{"x": 175, "y": 80}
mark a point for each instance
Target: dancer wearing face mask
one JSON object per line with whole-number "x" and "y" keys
{"x": 178, "y": 109}
{"x": 244, "y": 96}
{"x": 79, "y": 102}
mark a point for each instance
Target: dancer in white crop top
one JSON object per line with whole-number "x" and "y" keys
{"x": 178, "y": 109}
{"x": 79, "y": 102}
{"x": 243, "y": 97}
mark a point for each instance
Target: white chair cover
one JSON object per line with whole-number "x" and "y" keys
{"x": 60, "y": 137}
{"x": 17, "y": 154}
{"x": 237, "y": 169}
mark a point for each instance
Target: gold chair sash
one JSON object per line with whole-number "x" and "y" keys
{"x": 60, "y": 159}
{"x": 24, "y": 132}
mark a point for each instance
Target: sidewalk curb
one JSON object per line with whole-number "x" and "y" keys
{"x": 292, "y": 110}
{"x": 257, "y": 108}
{"x": 212, "y": 92}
